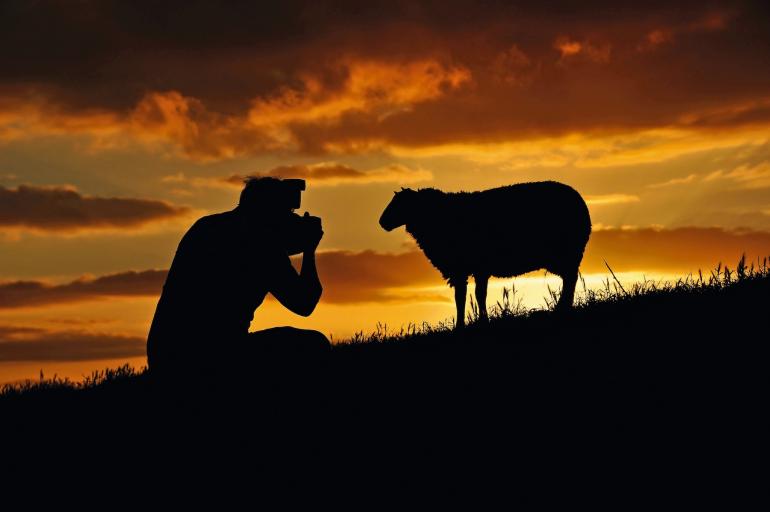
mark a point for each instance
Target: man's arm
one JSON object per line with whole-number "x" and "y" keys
{"x": 301, "y": 292}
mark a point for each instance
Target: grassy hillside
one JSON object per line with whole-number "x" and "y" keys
{"x": 639, "y": 392}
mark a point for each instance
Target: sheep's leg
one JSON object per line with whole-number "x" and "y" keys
{"x": 461, "y": 289}
{"x": 481, "y": 296}
{"x": 569, "y": 281}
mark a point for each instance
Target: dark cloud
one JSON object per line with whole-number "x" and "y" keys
{"x": 65, "y": 209}
{"x": 220, "y": 81}
{"x": 29, "y": 344}
{"x": 17, "y": 294}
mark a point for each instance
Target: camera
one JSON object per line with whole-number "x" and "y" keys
{"x": 289, "y": 193}
{"x": 298, "y": 230}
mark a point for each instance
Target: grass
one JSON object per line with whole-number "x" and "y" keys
{"x": 56, "y": 384}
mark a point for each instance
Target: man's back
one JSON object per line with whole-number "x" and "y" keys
{"x": 219, "y": 276}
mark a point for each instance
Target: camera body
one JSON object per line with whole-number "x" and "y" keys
{"x": 296, "y": 230}
{"x": 289, "y": 193}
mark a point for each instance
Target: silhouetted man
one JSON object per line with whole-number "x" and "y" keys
{"x": 224, "y": 267}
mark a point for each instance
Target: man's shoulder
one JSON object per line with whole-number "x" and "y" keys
{"x": 209, "y": 229}
{"x": 214, "y": 223}
{"x": 215, "y": 220}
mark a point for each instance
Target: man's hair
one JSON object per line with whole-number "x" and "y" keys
{"x": 259, "y": 191}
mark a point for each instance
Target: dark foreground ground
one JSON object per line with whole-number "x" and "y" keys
{"x": 655, "y": 396}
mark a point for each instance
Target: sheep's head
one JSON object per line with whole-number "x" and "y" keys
{"x": 398, "y": 210}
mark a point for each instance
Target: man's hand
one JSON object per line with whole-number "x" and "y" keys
{"x": 314, "y": 232}
{"x": 301, "y": 292}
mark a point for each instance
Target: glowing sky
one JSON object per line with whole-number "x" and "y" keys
{"x": 123, "y": 122}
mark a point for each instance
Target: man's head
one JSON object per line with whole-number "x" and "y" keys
{"x": 266, "y": 195}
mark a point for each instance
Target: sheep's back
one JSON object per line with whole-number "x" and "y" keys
{"x": 518, "y": 228}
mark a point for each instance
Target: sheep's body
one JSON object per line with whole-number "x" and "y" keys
{"x": 501, "y": 232}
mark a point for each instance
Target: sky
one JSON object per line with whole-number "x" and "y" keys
{"x": 121, "y": 123}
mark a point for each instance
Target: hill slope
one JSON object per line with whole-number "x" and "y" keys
{"x": 655, "y": 388}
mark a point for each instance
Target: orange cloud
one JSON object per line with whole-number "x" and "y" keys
{"x": 671, "y": 250}
{"x": 567, "y": 47}
{"x": 65, "y": 209}
{"x": 370, "y": 276}
{"x": 453, "y": 73}
{"x": 334, "y": 174}
{"x": 375, "y": 89}
{"x": 596, "y": 52}
{"x": 321, "y": 174}
{"x": 745, "y": 176}
{"x": 690, "y": 178}
{"x": 605, "y": 199}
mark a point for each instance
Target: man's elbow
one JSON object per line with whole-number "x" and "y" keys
{"x": 307, "y": 307}
{"x": 305, "y": 310}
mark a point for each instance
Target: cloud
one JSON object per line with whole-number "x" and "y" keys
{"x": 18, "y": 294}
{"x": 514, "y": 67}
{"x": 306, "y": 79}
{"x": 285, "y": 120}
{"x": 690, "y": 178}
{"x": 683, "y": 249}
{"x": 64, "y": 209}
{"x": 590, "y": 50}
{"x": 347, "y": 276}
{"x": 369, "y": 276}
{"x": 377, "y": 88}
{"x": 712, "y": 21}
{"x": 601, "y": 200}
{"x": 745, "y": 176}
{"x": 30, "y": 344}
{"x": 334, "y": 174}
{"x": 321, "y": 174}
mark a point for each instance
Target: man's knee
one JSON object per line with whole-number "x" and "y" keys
{"x": 292, "y": 340}
{"x": 309, "y": 342}
{"x": 313, "y": 341}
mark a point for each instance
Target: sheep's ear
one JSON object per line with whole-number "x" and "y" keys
{"x": 402, "y": 189}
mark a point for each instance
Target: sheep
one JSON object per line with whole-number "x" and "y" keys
{"x": 500, "y": 232}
